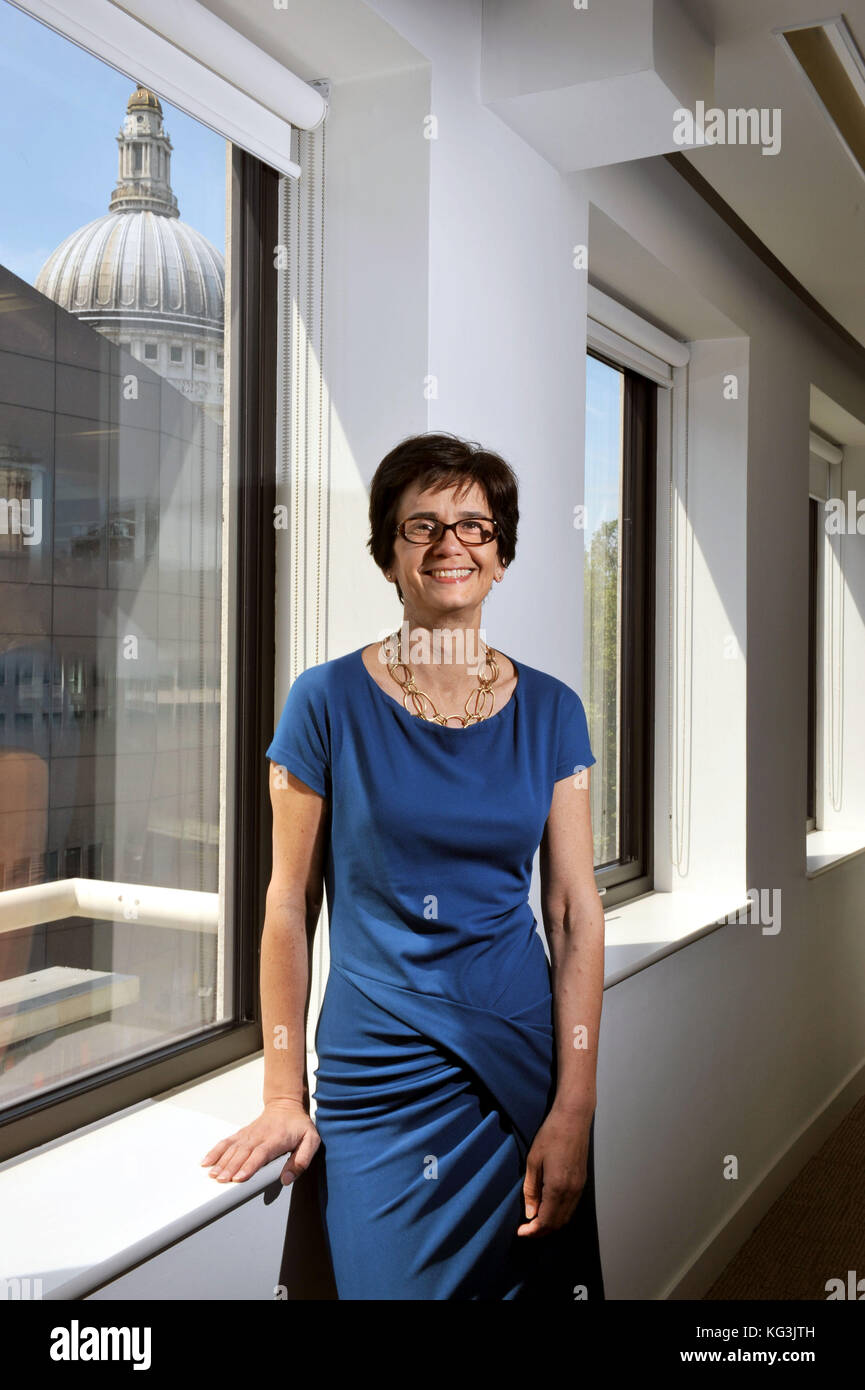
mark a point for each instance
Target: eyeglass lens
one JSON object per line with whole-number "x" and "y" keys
{"x": 471, "y": 531}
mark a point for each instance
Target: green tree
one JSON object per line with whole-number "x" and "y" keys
{"x": 601, "y": 601}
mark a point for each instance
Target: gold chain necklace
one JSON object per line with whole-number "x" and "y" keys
{"x": 419, "y": 698}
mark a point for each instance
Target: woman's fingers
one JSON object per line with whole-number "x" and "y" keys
{"x": 532, "y": 1187}
{"x": 213, "y": 1155}
{"x": 255, "y": 1159}
{"x": 554, "y": 1207}
{"x": 558, "y": 1204}
{"x": 301, "y": 1157}
{"x": 237, "y": 1157}
{"x": 231, "y": 1161}
{"x": 558, "y": 1211}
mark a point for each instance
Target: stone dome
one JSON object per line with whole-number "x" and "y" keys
{"x": 140, "y": 263}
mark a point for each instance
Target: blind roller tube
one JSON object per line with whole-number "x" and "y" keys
{"x": 144, "y": 55}
{"x": 612, "y": 315}
{"x": 214, "y": 43}
{"x": 823, "y": 449}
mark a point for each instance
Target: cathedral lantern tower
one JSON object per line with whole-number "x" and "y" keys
{"x": 140, "y": 275}
{"x": 144, "y": 164}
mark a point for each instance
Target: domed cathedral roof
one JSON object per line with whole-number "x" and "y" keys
{"x": 139, "y": 261}
{"x": 134, "y": 265}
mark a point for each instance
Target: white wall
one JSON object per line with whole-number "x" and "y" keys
{"x": 450, "y": 258}
{"x": 237, "y": 1257}
{"x": 736, "y": 1043}
{"x": 375, "y": 288}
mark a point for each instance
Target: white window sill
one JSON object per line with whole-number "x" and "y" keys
{"x": 88, "y": 1206}
{"x": 826, "y": 848}
{"x": 656, "y": 924}
{"x": 85, "y": 1208}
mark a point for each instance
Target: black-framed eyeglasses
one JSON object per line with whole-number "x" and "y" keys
{"x": 425, "y": 530}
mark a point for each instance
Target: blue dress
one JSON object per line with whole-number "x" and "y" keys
{"x": 435, "y": 1045}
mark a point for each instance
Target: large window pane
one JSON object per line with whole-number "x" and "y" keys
{"x": 112, "y": 288}
{"x": 815, "y": 515}
{"x": 619, "y": 587}
{"x": 605, "y": 396}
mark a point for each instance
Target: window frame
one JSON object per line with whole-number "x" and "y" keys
{"x": 816, "y": 510}
{"x": 251, "y": 322}
{"x": 632, "y": 874}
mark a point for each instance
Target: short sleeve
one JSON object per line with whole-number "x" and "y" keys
{"x": 574, "y": 750}
{"x": 301, "y": 742}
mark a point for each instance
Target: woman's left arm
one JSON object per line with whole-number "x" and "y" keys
{"x": 573, "y": 917}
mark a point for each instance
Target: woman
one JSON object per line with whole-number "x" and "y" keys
{"x": 455, "y": 1090}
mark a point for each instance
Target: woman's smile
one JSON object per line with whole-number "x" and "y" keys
{"x": 448, "y": 576}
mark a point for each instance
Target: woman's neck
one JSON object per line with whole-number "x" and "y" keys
{"x": 445, "y": 654}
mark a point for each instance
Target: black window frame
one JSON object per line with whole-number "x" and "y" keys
{"x": 251, "y": 318}
{"x": 815, "y": 507}
{"x": 632, "y": 874}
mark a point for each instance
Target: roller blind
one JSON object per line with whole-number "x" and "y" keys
{"x": 823, "y": 456}
{"x": 186, "y": 54}
{"x": 631, "y": 340}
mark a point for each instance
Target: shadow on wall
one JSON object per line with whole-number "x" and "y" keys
{"x": 306, "y": 1271}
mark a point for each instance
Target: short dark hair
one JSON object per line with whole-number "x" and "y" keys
{"x": 428, "y": 459}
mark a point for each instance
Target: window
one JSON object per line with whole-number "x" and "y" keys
{"x": 219, "y": 360}
{"x": 122, "y": 816}
{"x": 199, "y": 357}
{"x": 815, "y": 516}
{"x": 619, "y": 586}
{"x": 176, "y": 353}
{"x": 828, "y": 579}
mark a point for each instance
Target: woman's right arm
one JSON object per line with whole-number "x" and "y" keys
{"x": 293, "y": 904}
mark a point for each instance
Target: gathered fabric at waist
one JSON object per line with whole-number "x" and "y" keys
{"x": 379, "y": 1044}
{"x": 501, "y": 966}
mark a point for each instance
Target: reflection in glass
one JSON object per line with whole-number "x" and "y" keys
{"x": 111, "y": 405}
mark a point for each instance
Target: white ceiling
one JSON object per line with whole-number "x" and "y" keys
{"x": 343, "y": 40}
{"x": 626, "y": 270}
{"x": 807, "y": 203}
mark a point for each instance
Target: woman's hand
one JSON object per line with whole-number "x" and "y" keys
{"x": 556, "y": 1169}
{"x": 283, "y": 1126}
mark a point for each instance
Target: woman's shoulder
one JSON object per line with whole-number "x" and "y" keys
{"x": 546, "y": 685}
{"x": 318, "y": 687}
{"x": 324, "y": 675}
{"x": 560, "y": 718}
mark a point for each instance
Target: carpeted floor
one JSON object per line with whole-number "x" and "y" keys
{"x": 814, "y": 1232}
